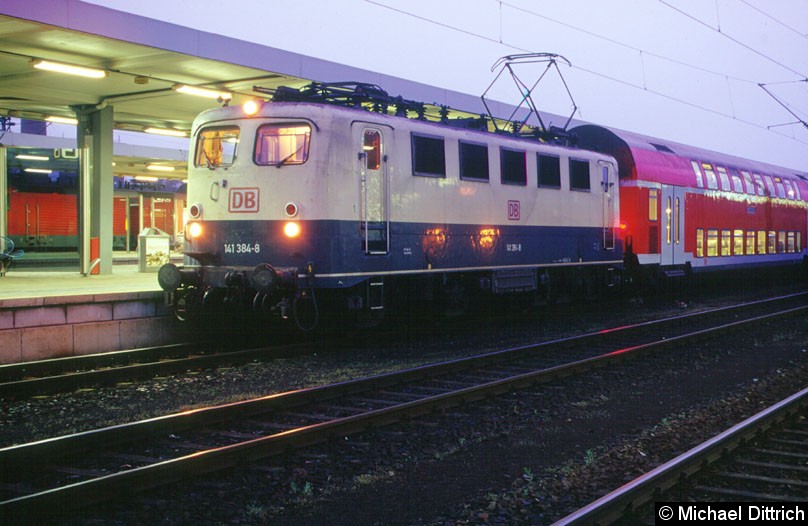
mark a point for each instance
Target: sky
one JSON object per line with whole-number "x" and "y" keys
{"x": 687, "y": 71}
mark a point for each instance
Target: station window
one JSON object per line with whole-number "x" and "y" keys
{"x": 513, "y": 169}
{"x": 549, "y": 171}
{"x": 428, "y": 156}
{"x": 699, "y": 176}
{"x": 737, "y": 242}
{"x": 699, "y": 242}
{"x": 792, "y": 247}
{"x": 771, "y": 243}
{"x": 372, "y": 147}
{"x": 712, "y": 242}
{"x": 712, "y": 181}
{"x": 750, "y": 242}
{"x": 280, "y": 144}
{"x": 761, "y": 242}
{"x": 724, "y": 178}
{"x": 216, "y": 146}
{"x": 726, "y": 243}
{"x": 579, "y": 175}
{"x": 473, "y": 161}
{"x": 653, "y": 205}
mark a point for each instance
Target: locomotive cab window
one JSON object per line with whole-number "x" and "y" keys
{"x": 549, "y": 171}
{"x": 579, "y": 175}
{"x": 281, "y": 144}
{"x": 473, "y": 161}
{"x": 216, "y": 146}
{"x": 512, "y": 166}
{"x": 428, "y": 156}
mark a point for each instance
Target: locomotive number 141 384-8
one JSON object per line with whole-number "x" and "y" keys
{"x": 242, "y": 248}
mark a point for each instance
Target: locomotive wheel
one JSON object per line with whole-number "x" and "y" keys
{"x": 186, "y": 306}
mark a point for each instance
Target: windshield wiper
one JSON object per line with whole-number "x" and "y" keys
{"x": 285, "y": 159}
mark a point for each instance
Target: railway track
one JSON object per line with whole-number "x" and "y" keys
{"x": 57, "y": 375}
{"x": 761, "y": 459}
{"x": 85, "y": 468}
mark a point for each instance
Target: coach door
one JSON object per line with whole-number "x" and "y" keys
{"x": 672, "y": 250}
{"x": 374, "y": 228}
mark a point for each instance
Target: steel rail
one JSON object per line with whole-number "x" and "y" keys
{"x": 27, "y": 456}
{"x": 643, "y": 489}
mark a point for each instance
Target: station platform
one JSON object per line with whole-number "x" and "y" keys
{"x": 54, "y": 312}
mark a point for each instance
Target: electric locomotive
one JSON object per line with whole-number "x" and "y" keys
{"x": 340, "y": 197}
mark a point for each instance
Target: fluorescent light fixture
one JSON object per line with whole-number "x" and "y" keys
{"x": 146, "y": 178}
{"x": 70, "y": 69}
{"x": 38, "y": 170}
{"x": 159, "y": 168}
{"x": 202, "y": 92}
{"x": 26, "y": 157}
{"x": 62, "y": 120}
{"x": 166, "y": 131}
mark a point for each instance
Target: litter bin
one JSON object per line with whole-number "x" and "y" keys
{"x": 152, "y": 249}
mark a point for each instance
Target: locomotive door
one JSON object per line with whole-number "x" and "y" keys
{"x": 374, "y": 227}
{"x": 672, "y": 250}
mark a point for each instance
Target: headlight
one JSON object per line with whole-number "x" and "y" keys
{"x": 291, "y": 229}
{"x": 193, "y": 230}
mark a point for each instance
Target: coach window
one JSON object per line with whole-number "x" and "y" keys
{"x": 282, "y": 144}
{"x": 653, "y": 205}
{"x": 668, "y": 211}
{"x": 722, "y": 174}
{"x": 769, "y": 185}
{"x": 726, "y": 242}
{"x": 761, "y": 242}
{"x": 428, "y": 156}
{"x": 792, "y": 247}
{"x": 473, "y": 161}
{"x": 699, "y": 176}
{"x": 771, "y": 243}
{"x": 216, "y": 146}
{"x": 372, "y": 148}
{"x": 579, "y": 175}
{"x": 549, "y": 171}
{"x": 737, "y": 184}
{"x": 750, "y": 186}
{"x": 750, "y": 242}
{"x": 761, "y": 190}
{"x": 712, "y": 181}
{"x": 778, "y": 185}
{"x": 781, "y": 242}
{"x": 699, "y": 242}
{"x": 737, "y": 242}
{"x": 512, "y": 167}
{"x": 799, "y": 241}
{"x": 790, "y": 193}
{"x": 712, "y": 242}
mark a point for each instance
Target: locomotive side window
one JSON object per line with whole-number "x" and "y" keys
{"x": 473, "y": 161}
{"x": 372, "y": 147}
{"x": 280, "y": 144}
{"x": 216, "y": 146}
{"x": 428, "y": 156}
{"x": 579, "y": 175}
{"x": 549, "y": 171}
{"x": 513, "y": 168}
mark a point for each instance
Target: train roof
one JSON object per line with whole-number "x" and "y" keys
{"x": 650, "y": 159}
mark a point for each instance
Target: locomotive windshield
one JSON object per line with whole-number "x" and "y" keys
{"x": 282, "y": 144}
{"x": 216, "y": 146}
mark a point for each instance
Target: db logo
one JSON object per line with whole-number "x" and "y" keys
{"x": 513, "y": 210}
{"x": 243, "y": 200}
